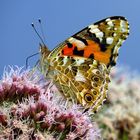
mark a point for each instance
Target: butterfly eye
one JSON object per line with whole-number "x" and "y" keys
{"x": 88, "y": 97}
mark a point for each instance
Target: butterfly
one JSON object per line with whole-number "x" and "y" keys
{"x": 80, "y": 66}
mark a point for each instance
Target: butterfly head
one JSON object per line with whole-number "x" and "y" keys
{"x": 44, "y": 50}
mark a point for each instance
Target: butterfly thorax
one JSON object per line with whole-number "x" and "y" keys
{"x": 44, "y": 64}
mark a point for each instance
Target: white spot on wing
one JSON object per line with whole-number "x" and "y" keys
{"x": 78, "y": 43}
{"x": 124, "y": 30}
{"x": 114, "y": 34}
{"x": 79, "y": 77}
{"x": 70, "y": 39}
{"x": 80, "y": 61}
{"x": 108, "y": 19}
{"x": 94, "y": 30}
{"x": 123, "y": 26}
{"x": 109, "y": 40}
{"x": 110, "y": 23}
{"x": 99, "y": 34}
{"x": 65, "y": 59}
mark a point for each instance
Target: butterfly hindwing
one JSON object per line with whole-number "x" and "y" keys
{"x": 80, "y": 65}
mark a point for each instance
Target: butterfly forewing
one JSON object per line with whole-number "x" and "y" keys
{"x": 80, "y": 65}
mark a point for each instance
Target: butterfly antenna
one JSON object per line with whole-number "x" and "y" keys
{"x": 38, "y": 34}
{"x": 27, "y": 59}
{"x": 41, "y": 27}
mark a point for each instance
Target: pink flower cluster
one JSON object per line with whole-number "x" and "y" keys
{"x": 18, "y": 84}
{"x": 34, "y": 100}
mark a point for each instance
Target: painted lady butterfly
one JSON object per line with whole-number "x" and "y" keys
{"x": 80, "y": 66}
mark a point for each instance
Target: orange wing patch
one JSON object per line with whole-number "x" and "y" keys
{"x": 92, "y": 50}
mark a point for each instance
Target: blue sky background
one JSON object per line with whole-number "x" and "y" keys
{"x": 61, "y": 19}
